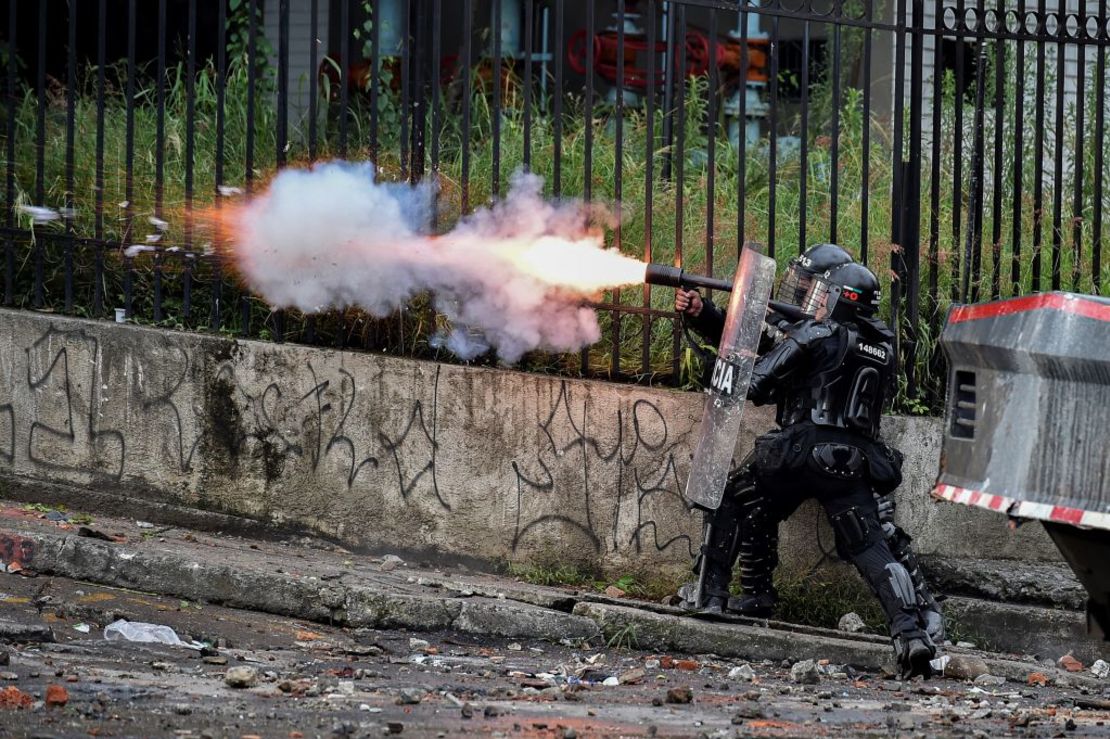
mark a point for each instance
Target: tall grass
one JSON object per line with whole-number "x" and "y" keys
{"x": 125, "y": 215}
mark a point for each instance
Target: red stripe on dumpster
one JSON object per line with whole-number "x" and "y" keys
{"x": 1050, "y": 301}
{"x": 1066, "y": 515}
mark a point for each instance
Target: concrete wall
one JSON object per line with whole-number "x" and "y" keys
{"x": 389, "y": 453}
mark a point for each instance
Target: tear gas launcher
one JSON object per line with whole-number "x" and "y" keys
{"x": 661, "y": 274}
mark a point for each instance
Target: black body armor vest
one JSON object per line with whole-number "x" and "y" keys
{"x": 845, "y": 383}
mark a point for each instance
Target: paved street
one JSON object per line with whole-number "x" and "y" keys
{"x": 308, "y": 679}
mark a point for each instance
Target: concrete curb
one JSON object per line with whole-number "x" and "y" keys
{"x": 298, "y": 596}
{"x": 507, "y": 613}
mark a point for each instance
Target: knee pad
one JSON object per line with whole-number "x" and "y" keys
{"x": 854, "y": 531}
{"x": 902, "y": 585}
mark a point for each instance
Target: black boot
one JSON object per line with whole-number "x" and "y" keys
{"x": 759, "y": 540}
{"x": 914, "y": 651}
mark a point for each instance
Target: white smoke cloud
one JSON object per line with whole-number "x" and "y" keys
{"x": 331, "y": 237}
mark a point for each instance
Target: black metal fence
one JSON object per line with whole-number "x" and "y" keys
{"x": 956, "y": 146}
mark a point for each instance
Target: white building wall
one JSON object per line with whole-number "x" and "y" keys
{"x": 300, "y": 50}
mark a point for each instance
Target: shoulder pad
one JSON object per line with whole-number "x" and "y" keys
{"x": 809, "y": 331}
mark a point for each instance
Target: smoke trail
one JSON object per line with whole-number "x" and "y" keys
{"x": 511, "y": 277}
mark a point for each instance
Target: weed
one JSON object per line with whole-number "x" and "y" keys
{"x": 82, "y": 519}
{"x": 624, "y": 638}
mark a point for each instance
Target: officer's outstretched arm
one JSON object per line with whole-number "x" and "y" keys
{"x": 783, "y": 360}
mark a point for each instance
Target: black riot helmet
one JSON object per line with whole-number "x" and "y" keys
{"x": 843, "y": 293}
{"x": 799, "y": 275}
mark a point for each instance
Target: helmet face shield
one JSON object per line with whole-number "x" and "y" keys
{"x": 795, "y": 284}
{"x": 821, "y": 298}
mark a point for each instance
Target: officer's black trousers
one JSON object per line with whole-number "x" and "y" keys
{"x": 746, "y": 527}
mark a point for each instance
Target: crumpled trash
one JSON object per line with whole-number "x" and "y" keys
{"x": 1100, "y": 669}
{"x": 137, "y": 631}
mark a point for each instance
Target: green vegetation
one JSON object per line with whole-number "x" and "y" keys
{"x": 126, "y": 208}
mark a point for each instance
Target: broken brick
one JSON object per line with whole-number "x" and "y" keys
{"x": 56, "y": 695}
{"x": 13, "y": 697}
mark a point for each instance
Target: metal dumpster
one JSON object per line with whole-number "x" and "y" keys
{"x": 1027, "y": 424}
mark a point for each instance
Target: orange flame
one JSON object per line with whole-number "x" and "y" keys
{"x": 581, "y": 265}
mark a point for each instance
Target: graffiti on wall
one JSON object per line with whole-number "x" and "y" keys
{"x": 618, "y": 495}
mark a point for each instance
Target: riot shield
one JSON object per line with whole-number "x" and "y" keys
{"x": 724, "y": 404}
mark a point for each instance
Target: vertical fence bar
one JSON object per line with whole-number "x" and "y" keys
{"x": 40, "y": 155}
{"x": 834, "y": 143}
{"x": 160, "y": 153}
{"x": 496, "y": 71}
{"x": 313, "y": 74}
{"x": 282, "y": 132}
{"x": 742, "y": 136}
{"x": 71, "y": 116}
{"x": 773, "y": 138}
{"x": 935, "y": 168}
{"x": 974, "y": 245}
{"x": 406, "y": 89}
{"x": 803, "y": 152}
{"x": 958, "y": 157}
{"x": 669, "y": 56}
{"x": 1100, "y": 152}
{"x": 996, "y": 194}
{"x": 588, "y": 105}
{"x": 221, "y": 87}
{"x": 468, "y": 32}
{"x": 557, "y": 100}
{"x": 910, "y": 255}
{"x": 345, "y": 72}
{"x": 98, "y": 266}
{"x": 420, "y": 104}
{"x": 898, "y": 169}
{"x": 710, "y": 144}
{"x": 375, "y": 81}
{"x": 618, "y": 137}
{"x": 190, "y": 150}
{"x": 529, "y": 36}
{"x": 437, "y": 97}
{"x": 1019, "y": 156}
{"x": 651, "y": 22}
{"x": 1080, "y": 121}
{"x": 1038, "y": 152}
{"x": 252, "y": 83}
{"x": 587, "y": 158}
{"x": 677, "y": 16}
{"x": 9, "y": 202}
{"x": 1058, "y": 153}
{"x": 865, "y": 184}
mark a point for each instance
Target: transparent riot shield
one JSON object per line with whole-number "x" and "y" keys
{"x": 724, "y": 404}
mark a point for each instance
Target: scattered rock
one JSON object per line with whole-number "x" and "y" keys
{"x": 1100, "y": 669}
{"x": 990, "y": 680}
{"x": 1069, "y": 663}
{"x": 569, "y": 733}
{"x": 680, "y": 695}
{"x": 689, "y": 665}
{"x": 746, "y": 711}
{"x": 389, "y": 563}
{"x": 614, "y": 592}
{"x": 852, "y": 623}
{"x": 743, "y": 672}
{"x": 967, "y": 645}
{"x": 467, "y": 710}
{"x": 345, "y": 687}
{"x": 491, "y": 712}
{"x": 13, "y": 697}
{"x": 611, "y": 681}
{"x": 805, "y": 672}
{"x": 633, "y": 677}
{"x": 218, "y": 659}
{"x": 410, "y": 697}
{"x": 965, "y": 667}
{"x": 418, "y": 645}
{"x": 651, "y": 664}
{"x": 241, "y": 677}
{"x": 515, "y": 647}
{"x": 1038, "y": 679}
{"x": 8, "y": 676}
{"x": 14, "y": 631}
{"x": 56, "y": 695}
{"x": 394, "y": 727}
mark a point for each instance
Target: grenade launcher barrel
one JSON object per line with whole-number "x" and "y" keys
{"x": 661, "y": 274}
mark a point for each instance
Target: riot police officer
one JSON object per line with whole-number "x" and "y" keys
{"x": 829, "y": 377}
